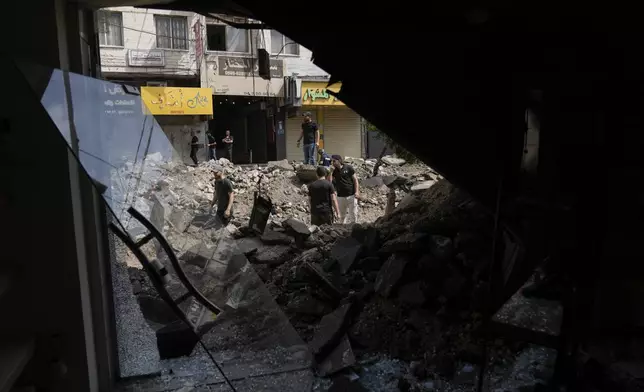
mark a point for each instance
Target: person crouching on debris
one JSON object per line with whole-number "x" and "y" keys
{"x": 325, "y": 159}
{"x": 346, "y": 183}
{"x": 224, "y": 195}
{"x": 323, "y": 198}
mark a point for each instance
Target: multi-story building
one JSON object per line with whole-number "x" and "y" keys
{"x": 341, "y": 128}
{"x": 146, "y": 47}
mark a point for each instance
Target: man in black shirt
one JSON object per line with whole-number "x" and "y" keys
{"x": 346, "y": 183}
{"x": 194, "y": 147}
{"x": 228, "y": 142}
{"x": 224, "y": 195}
{"x": 322, "y": 197}
{"x": 311, "y": 135}
{"x": 212, "y": 146}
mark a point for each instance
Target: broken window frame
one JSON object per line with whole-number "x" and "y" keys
{"x": 229, "y": 30}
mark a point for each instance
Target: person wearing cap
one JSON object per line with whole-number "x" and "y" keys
{"x": 323, "y": 199}
{"x": 223, "y": 196}
{"x": 311, "y": 135}
{"x": 325, "y": 159}
{"x": 346, "y": 184}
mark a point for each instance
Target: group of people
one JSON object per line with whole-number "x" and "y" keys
{"x": 212, "y": 146}
{"x": 337, "y": 189}
{"x": 334, "y": 194}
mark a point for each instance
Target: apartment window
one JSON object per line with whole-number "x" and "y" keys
{"x": 110, "y": 28}
{"x": 281, "y": 44}
{"x": 172, "y": 32}
{"x": 227, "y": 39}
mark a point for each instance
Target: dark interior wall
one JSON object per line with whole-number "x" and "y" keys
{"x": 43, "y": 244}
{"x": 257, "y": 140}
{"x": 44, "y": 249}
{"x": 249, "y": 127}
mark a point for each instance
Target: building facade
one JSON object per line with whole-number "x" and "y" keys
{"x": 341, "y": 129}
{"x": 154, "y": 48}
{"x": 146, "y": 47}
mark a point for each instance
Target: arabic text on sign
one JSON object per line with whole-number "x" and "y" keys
{"x": 318, "y": 93}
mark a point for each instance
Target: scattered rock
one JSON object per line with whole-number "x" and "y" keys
{"x": 271, "y": 237}
{"x": 407, "y": 242}
{"x": 307, "y": 173}
{"x": 412, "y": 294}
{"x": 393, "y": 161}
{"x": 281, "y": 165}
{"x": 179, "y": 220}
{"x": 345, "y": 252}
{"x": 271, "y": 255}
{"x": 421, "y": 186}
{"x": 390, "y": 274}
{"x": 340, "y": 358}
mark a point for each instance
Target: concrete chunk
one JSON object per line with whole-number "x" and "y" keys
{"x": 340, "y": 358}
{"x": 180, "y": 220}
{"x": 282, "y": 165}
{"x": 271, "y": 237}
{"x": 331, "y": 328}
{"x": 389, "y": 275}
{"x": 345, "y": 251}
{"x": 271, "y": 255}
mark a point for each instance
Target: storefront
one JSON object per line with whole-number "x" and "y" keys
{"x": 340, "y": 127}
{"x": 180, "y": 111}
{"x": 246, "y": 104}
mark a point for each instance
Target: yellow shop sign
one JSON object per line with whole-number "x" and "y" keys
{"x": 176, "y": 101}
{"x": 315, "y": 93}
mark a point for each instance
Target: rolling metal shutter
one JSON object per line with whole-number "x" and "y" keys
{"x": 342, "y": 132}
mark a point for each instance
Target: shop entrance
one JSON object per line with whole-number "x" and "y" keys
{"x": 250, "y": 121}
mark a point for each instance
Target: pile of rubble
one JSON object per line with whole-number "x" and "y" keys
{"x": 409, "y": 286}
{"x": 191, "y": 188}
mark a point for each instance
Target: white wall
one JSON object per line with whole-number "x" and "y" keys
{"x": 301, "y": 65}
{"x": 139, "y": 31}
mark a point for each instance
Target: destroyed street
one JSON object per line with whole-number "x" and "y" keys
{"x": 394, "y": 302}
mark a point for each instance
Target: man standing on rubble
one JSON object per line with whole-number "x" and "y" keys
{"x": 228, "y": 142}
{"x": 224, "y": 195}
{"x": 311, "y": 135}
{"x": 346, "y": 183}
{"x": 194, "y": 147}
{"x": 323, "y": 199}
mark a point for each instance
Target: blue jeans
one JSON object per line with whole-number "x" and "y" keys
{"x": 309, "y": 154}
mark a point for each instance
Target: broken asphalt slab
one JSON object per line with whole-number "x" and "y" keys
{"x": 345, "y": 251}
{"x": 340, "y": 358}
{"x": 180, "y": 220}
{"x": 271, "y": 255}
{"x": 332, "y": 329}
{"x": 317, "y": 274}
{"x": 389, "y": 275}
{"x": 272, "y": 237}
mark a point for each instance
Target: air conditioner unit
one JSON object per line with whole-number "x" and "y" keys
{"x": 157, "y": 84}
{"x": 292, "y": 91}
